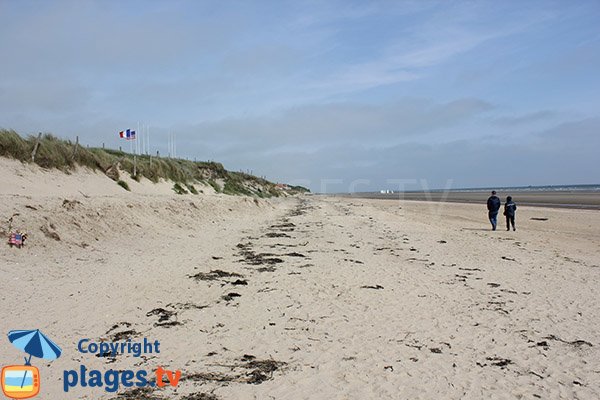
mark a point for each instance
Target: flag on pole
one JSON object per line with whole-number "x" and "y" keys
{"x": 128, "y": 134}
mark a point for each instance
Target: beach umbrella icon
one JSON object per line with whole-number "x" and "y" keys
{"x": 34, "y": 343}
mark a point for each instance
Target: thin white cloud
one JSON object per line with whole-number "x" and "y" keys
{"x": 313, "y": 127}
{"x": 407, "y": 55}
{"x": 527, "y": 118}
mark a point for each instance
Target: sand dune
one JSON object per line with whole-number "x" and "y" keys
{"x": 304, "y": 298}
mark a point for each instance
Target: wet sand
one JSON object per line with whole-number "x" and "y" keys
{"x": 589, "y": 200}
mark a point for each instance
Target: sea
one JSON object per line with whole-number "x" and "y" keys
{"x": 544, "y": 188}
{"x": 505, "y": 189}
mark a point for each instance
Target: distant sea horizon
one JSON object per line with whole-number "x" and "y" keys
{"x": 582, "y": 196}
{"x": 590, "y": 187}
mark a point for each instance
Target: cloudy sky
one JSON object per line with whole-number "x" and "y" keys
{"x": 337, "y": 96}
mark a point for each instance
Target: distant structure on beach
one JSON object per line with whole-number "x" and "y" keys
{"x": 386, "y": 191}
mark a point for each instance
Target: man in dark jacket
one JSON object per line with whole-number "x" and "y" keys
{"x": 510, "y": 209}
{"x": 493, "y": 206}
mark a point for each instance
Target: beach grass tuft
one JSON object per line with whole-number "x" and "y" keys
{"x": 124, "y": 185}
{"x": 191, "y": 188}
{"x": 177, "y": 188}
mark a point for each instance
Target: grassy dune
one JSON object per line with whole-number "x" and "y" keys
{"x": 65, "y": 155}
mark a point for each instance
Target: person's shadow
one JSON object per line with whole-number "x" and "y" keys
{"x": 475, "y": 229}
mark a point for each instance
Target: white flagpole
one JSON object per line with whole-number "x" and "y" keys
{"x": 141, "y": 141}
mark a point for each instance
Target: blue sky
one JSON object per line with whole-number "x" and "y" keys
{"x": 320, "y": 93}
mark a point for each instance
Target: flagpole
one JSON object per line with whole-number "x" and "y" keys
{"x": 141, "y": 139}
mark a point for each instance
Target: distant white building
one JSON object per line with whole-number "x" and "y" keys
{"x": 386, "y": 191}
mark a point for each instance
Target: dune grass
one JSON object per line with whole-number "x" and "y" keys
{"x": 64, "y": 155}
{"x": 191, "y": 188}
{"x": 124, "y": 185}
{"x": 177, "y": 188}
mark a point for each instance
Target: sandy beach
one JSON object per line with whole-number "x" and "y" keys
{"x": 305, "y": 297}
{"x": 288, "y": 200}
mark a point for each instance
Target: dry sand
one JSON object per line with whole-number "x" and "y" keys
{"x": 327, "y": 298}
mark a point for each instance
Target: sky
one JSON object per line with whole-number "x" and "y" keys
{"x": 337, "y": 96}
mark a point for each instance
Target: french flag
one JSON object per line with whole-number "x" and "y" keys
{"x": 128, "y": 134}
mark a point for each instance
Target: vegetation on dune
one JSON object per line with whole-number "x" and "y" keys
{"x": 191, "y": 188}
{"x": 124, "y": 185}
{"x": 177, "y": 188}
{"x": 65, "y": 155}
{"x": 299, "y": 189}
{"x": 214, "y": 185}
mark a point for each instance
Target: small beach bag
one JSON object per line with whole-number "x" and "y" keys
{"x": 16, "y": 239}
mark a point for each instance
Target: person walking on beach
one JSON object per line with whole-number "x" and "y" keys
{"x": 493, "y": 206}
{"x": 510, "y": 208}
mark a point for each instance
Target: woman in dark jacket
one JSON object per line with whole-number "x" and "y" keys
{"x": 510, "y": 209}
